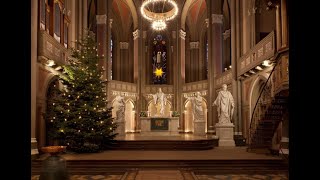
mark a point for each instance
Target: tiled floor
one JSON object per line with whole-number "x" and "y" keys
{"x": 174, "y": 175}
{"x": 243, "y": 177}
{"x": 88, "y": 177}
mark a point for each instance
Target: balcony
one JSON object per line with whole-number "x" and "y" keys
{"x": 257, "y": 55}
{"x": 50, "y": 49}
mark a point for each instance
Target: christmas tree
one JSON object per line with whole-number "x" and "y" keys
{"x": 77, "y": 114}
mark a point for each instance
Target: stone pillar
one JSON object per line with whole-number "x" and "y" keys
{"x": 278, "y": 27}
{"x": 217, "y": 32}
{"x": 109, "y": 64}
{"x": 102, "y": 36}
{"x": 136, "y": 37}
{"x": 215, "y": 64}
{"x": 124, "y": 58}
{"x": 245, "y": 28}
{"x": 137, "y": 66}
{"x": 34, "y": 70}
{"x": 80, "y": 28}
{"x": 284, "y": 23}
{"x": 181, "y": 73}
{"x": 85, "y": 14}
{"x": 195, "y": 63}
{"x": 235, "y": 55}
{"x": 252, "y": 13}
{"x": 72, "y": 25}
{"x": 174, "y": 67}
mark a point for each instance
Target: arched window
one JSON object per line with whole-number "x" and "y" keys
{"x": 159, "y": 60}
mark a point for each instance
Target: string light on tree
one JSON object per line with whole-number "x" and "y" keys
{"x": 79, "y": 98}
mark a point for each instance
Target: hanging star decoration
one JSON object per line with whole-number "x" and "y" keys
{"x": 158, "y": 72}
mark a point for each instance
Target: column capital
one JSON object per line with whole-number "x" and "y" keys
{"x": 217, "y": 18}
{"x": 182, "y": 34}
{"x": 124, "y": 45}
{"x": 194, "y": 45}
{"x": 136, "y": 34}
{"x": 101, "y": 19}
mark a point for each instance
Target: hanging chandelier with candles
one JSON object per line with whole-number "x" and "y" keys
{"x": 158, "y": 12}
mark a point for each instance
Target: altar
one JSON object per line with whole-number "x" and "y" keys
{"x": 159, "y": 125}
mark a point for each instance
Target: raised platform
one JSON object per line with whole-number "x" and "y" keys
{"x": 163, "y": 141}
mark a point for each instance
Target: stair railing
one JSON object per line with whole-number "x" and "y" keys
{"x": 261, "y": 106}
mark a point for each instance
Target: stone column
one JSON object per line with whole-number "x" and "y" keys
{"x": 109, "y": 65}
{"x": 278, "y": 27}
{"x": 102, "y": 36}
{"x": 215, "y": 65}
{"x": 80, "y": 28}
{"x": 217, "y": 32}
{"x": 235, "y": 55}
{"x": 34, "y": 70}
{"x": 284, "y": 23}
{"x": 195, "y": 64}
{"x": 72, "y": 35}
{"x": 144, "y": 67}
{"x": 124, "y": 58}
{"x": 181, "y": 73}
{"x": 137, "y": 66}
{"x": 175, "y": 65}
{"x": 245, "y": 28}
{"x": 252, "y": 13}
{"x": 84, "y": 14}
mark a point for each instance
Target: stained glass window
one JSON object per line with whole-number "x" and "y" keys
{"x": 159, "y": 60}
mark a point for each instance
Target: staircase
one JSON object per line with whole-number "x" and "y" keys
{"x": 261, "y": 136}
{"x": 222, "y": 166}
{"x": 270, "y": 107}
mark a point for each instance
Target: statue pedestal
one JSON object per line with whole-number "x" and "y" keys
{"x": 121, "y": 128}
{"x": 199, "y": 128}
{"x": 225, "y": 134}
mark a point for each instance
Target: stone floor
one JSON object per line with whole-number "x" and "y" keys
{"x": 175, "y": 175}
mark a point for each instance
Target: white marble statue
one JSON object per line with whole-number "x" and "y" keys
{"x": 197, "y": 109}
{"x": 120, "y": 108}
{"x": 161, "y": 99}
{"x": 225, "y": 105}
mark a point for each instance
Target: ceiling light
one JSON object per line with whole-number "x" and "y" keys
{"x": 259, "y": 68}
{"x": 50, "y": 63}
{"x": 266, "y": 63}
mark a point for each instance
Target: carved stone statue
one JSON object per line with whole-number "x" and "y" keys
{"x": 121, "y": 108}
{"x": 197, "y": 109}
{"x": 225, "y": 105}
{"x": 160, "y": 99}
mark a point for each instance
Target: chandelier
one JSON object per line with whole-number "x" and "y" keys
{"x": 158, "y": 12}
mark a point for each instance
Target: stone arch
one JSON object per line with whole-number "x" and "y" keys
{"x": 184, "y": 13}
{"x": 41, "y": 130}
{"x": 130, "y": 123}
{"x": 152, "y": 108}
{"x": 133, "y": 13}
{"x": 188, "y": 122}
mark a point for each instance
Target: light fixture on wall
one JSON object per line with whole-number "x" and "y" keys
{"x": 158, "y": 12}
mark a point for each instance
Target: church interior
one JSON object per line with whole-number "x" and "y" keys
{"x": 193, "y": 89}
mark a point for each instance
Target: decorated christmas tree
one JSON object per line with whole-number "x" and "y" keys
{"x": 77, "y": 114}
